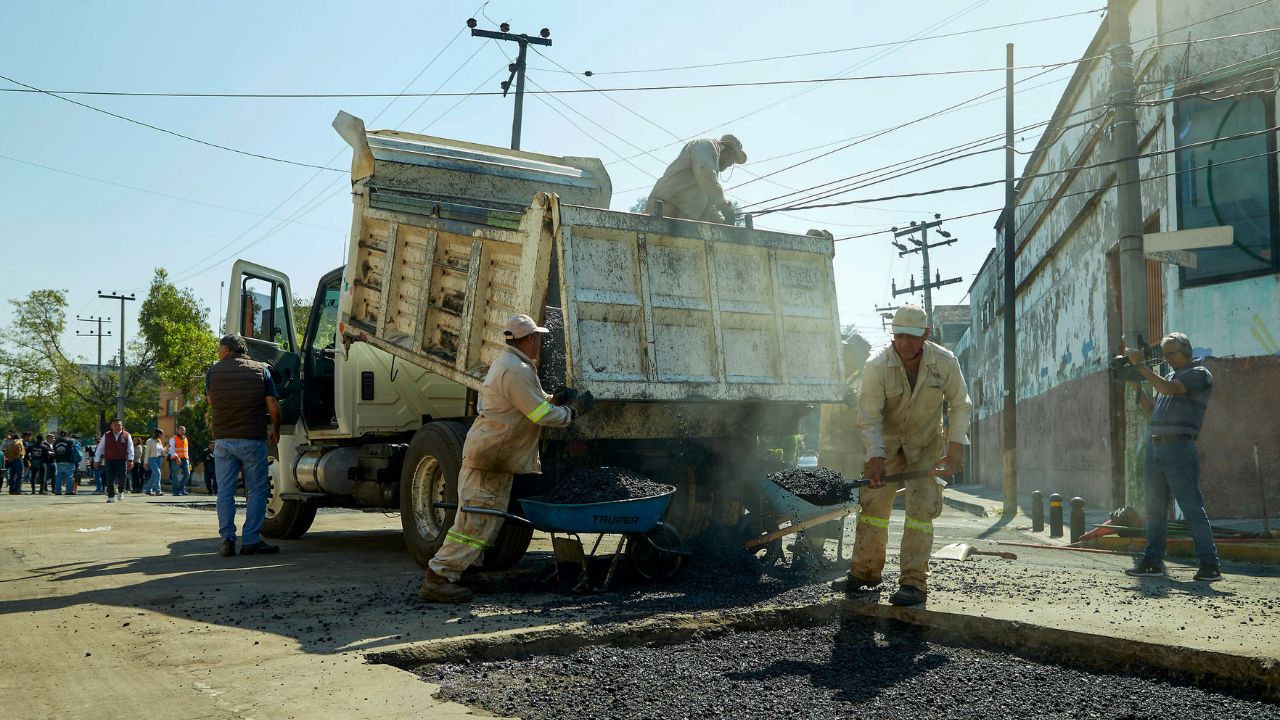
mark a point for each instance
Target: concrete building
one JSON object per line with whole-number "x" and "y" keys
{"x": 1207, "y": 141}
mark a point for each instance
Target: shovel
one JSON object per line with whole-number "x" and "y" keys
{"x": 964, "y": 551}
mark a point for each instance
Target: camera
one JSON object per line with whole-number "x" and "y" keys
{"x": 1124, "y": 371}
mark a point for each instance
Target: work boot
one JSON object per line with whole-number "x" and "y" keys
{"x": 1208, "y": 572}
{"x": 1146, "y": 568}
{"x": 907, "y": 596}
{"x": 436, "y": 588}
{"x": 228, "y": 548}
{"x": 259, "y": 548}
{"x": 858, "y": 586}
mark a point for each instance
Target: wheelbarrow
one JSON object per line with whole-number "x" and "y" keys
{"x": 653, "y": 548}
{"x": 799, "y": 514}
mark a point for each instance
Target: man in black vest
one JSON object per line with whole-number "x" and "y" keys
{"x": 241, "y": 397}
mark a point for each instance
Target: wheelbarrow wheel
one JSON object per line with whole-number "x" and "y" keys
{"x": 753, "y": 525}
{"x": 657, "y": 554}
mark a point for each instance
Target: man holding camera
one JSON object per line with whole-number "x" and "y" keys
{"x": 1172, "y": 461}
{"x": 511, "y": 411}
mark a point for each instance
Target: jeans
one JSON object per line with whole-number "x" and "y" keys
{"x": 229, "y": 457}
{"x": 15, "y": 475}
{"x": 179, "y": 476}
{"x": 116, "y": 476}
{"x": 65, "y": 473}
{"x": 37, "y": 476}
{"x": 1174, "y": 469}
{"x": 153, "y": 480}
{"x": 97, "y": 479}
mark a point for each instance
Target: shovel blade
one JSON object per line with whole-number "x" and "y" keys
{"x": 954, "y": 551}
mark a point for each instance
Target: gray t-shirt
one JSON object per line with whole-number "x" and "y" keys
{"x": 1183, "y": 414}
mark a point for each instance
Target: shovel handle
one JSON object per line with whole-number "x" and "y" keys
{"x": 899, "y": 477}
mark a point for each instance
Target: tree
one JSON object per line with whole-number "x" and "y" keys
{"x": 175, "y": 328}
{"x": 38, "y": 373}
{"x": 301, "y": 316}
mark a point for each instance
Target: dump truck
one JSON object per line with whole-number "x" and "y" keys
{"x": 695, "y": 338}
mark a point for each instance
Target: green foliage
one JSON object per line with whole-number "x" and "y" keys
{"x": 174, "y": 325}
{"x": 194, "y": 416}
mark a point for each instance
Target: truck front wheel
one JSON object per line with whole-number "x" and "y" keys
{"x": 430, "y": 476}
{"x": 286, "y": 519}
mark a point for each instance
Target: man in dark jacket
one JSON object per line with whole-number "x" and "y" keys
{"x": 37, "y": 451}
{"x": 242, "y": 396}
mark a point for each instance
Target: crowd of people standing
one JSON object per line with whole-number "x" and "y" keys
{"x": 117, "y": 462}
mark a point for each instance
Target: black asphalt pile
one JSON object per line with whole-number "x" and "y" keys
{"x": 552, "y": 361}
{"x": 819, "y": 486}
{"x": 603, "y": 484}
{"x": 836, "y": 671}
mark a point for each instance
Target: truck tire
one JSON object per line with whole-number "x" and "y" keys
{"x": 431, "y": 466}
{"x": 285, "y": 519}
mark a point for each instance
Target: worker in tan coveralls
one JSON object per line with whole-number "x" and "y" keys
{"x": 900, "y": 405}
{"x": 503, "y": 442}
{"x": 690, "y": 188}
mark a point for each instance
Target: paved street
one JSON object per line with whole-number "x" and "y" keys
{"x": 124, "y": 611}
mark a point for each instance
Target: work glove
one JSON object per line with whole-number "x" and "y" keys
{"x": 581, "y": 403}
{"x": 562, "y": 395}
{"x": 726, "y": 211}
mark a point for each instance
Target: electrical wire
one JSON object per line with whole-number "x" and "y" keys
{"x": 590, "y": 73}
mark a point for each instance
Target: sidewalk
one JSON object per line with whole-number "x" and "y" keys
{"x": 987, "y": 502}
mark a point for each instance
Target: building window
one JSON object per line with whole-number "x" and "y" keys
{"x": 1228, "y": 182}
{"x": 169, "y": 407}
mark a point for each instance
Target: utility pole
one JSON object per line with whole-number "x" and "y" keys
{"x": 122, "y": 299}
{"x": 99, "y": 334}
{"x": 517, "y": 68}
{"x": 922, "y": 246}
{"x": 1009, "y": 410}
{"x": 1124, "y": 151}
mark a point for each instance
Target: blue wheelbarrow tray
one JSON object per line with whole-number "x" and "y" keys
{"x": 638, "y": 515}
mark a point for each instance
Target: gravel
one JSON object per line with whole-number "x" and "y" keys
{"x": 552, "y": 361}
{"x": 604, "y": 484}
{"x": 835, "y": 671}
{"x": 819, "y": 486}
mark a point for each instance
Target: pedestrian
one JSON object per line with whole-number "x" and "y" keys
{"x": 50, "y": 463}
{"x": 14, "y": 460}
{"x": 154, "y": 455}
{"x": 900, "y": 408}
{"x": 511, "y": 411}
{"x": 242, "y": 396}
{"x": 115, "y": 456}
{"x": 80, "y": 453}
{"x": 138, "y": 474}
{"x": 28, "y": 441}
{"x": 210, "y": 476}
{"x": 179, "y": 462}
{"x": 1172, "y": 466}
{"x": 690, "y": 187}
{"x": 92, "y": 465}
{"x": 39, "y": 454}
{"x": 66, "y": 456}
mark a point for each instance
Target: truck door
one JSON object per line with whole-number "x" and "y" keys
{"x": 260, "y": 307}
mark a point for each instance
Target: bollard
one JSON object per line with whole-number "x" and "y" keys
{"x": 1055, "y": 515}
{"x": 1037, "y": 511}
{"x": 1077, "y": 518}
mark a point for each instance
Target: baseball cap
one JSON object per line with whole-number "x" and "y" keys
{"x": 910, "y": 319}
{"x": 521, "y": 325}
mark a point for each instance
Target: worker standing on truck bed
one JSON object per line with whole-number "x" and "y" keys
{"x": 690, "y": 188}
{"x": 899, "y": 411}
{"x": 502, "y": 442}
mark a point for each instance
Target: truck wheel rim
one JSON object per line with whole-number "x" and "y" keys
{"x": 274, "y": 503}
{"x": 428, "y": 488}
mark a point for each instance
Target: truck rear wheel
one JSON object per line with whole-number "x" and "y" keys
{"x": 285, "y": 519}
{"x": 431, "y": 467}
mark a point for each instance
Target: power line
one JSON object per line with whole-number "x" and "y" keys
{"x": 590, "y": 73}
{"x": 1089, "y": 191}
{"x": 1050, "y": 173}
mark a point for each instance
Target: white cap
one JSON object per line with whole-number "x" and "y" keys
{"x": 520, "y": 326}
{"x": 910, "y": 319}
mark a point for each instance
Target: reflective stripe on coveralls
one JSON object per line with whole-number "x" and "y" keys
{"x": 923, "y": 526}
{"x": 880, "y": 522}
{"x": 538, "y": 412}
{"x": 464, "y": 539}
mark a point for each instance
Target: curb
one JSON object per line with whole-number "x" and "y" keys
{"x": 1053, "y": 646}
{"x": 1183, "y": 548}
{"x": 973, "y": 508}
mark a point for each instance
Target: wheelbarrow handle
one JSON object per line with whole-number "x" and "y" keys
{"x": 483, "y": 511}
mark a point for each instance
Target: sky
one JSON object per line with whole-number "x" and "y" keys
{"x": 115, "y": 200}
